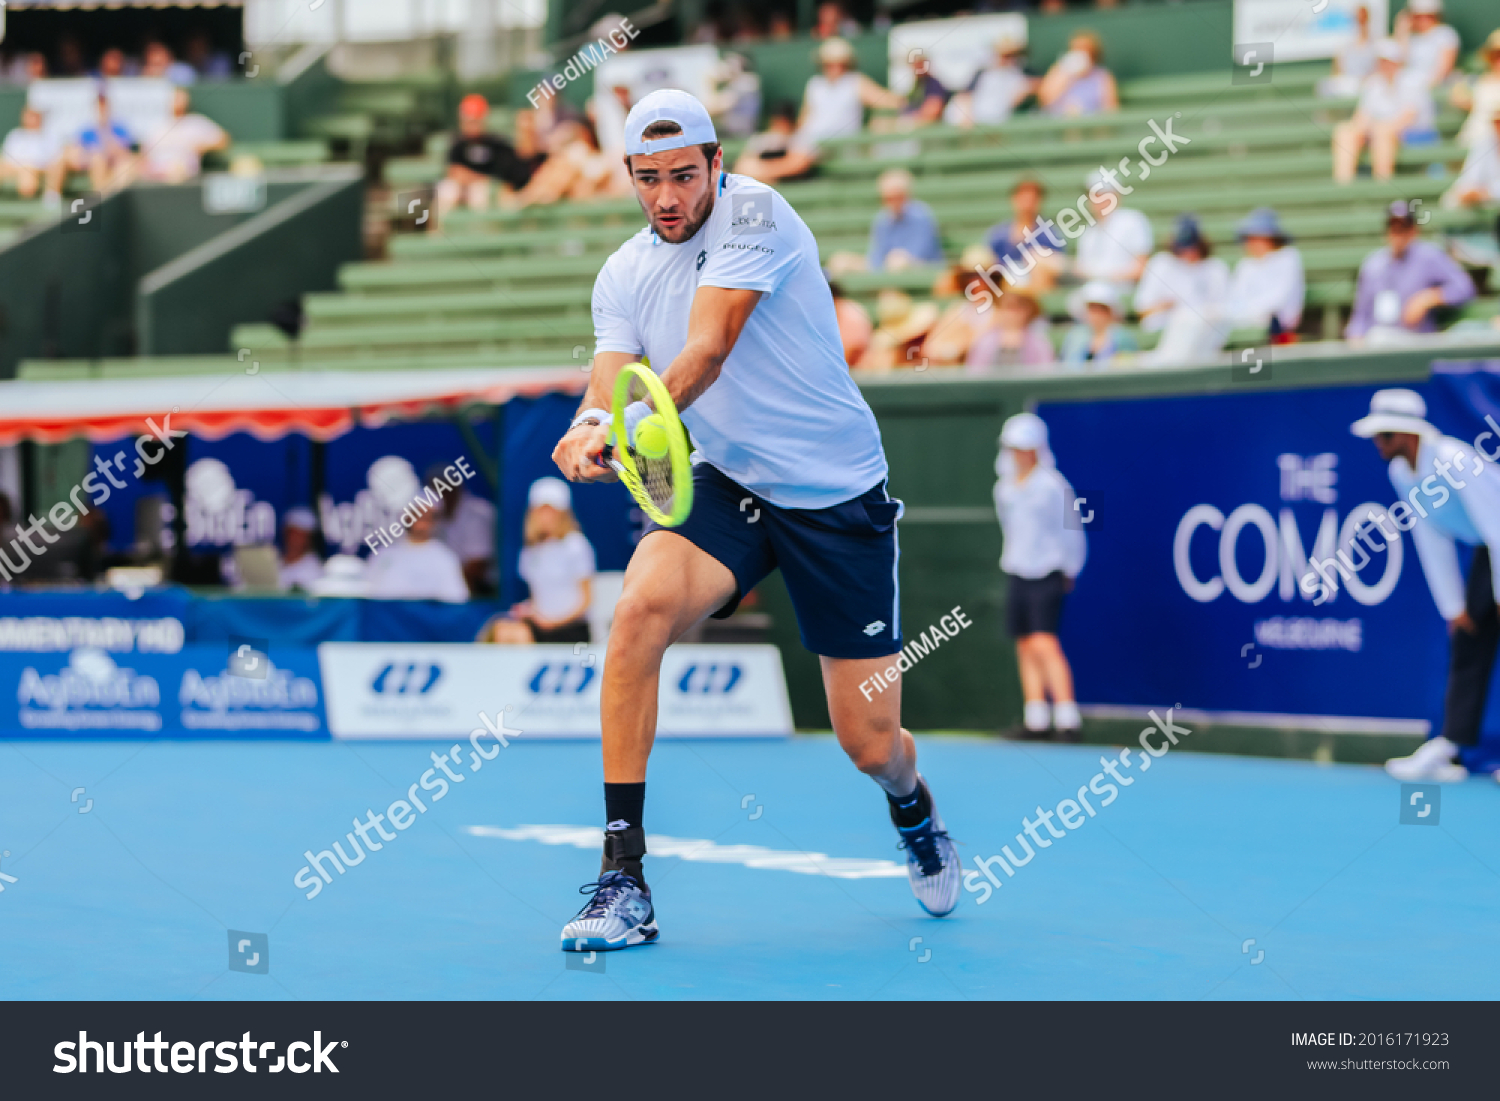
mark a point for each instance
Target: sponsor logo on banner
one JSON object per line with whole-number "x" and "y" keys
{"x": 378, "y": 690}
{"x": 225, "y": 701}
{"x": 91, "y": 692}
{"x": 51, "y": 634}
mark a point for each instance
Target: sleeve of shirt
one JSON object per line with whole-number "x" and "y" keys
{"x": 1481, "y": 500}
{"x": 875, "y": 257}
{"x": 1439, "y": 560}
{"x": 753, "y": 257}
{"x": 1294, "y": 292}
{"x": 1456, "y": 285}
{"x": 452, "y": 588}
{"x": 1152, "y": 291}
{"x": 932, "y": 247}
{"x": 614, "y": 327}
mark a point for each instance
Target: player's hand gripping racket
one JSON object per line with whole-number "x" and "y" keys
{"x": 652, "y": 460}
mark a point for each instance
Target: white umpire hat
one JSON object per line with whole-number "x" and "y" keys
{"x": 1024, "y": 432}
{"x": 1395, "y": 411}
{"x": 668, "y": 105}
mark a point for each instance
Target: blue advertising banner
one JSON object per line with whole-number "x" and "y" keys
{"x": 201, "y": 691}
{"x": 156, "y": 622}
{"x": 1205, "y": 512}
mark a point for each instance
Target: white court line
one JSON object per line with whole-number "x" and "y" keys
{"x": 707, "y": 852}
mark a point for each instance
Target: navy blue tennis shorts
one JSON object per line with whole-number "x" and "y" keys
{"x": 839, "y": 563}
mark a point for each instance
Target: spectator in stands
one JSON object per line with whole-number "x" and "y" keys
{"x": 105, "y": 150}
{"x": 833, "y": 106}
{"x": 1268, "y": 286}
{"x": 1019, "y": 337}
{"x": 1395, "y": 107}
{"x": 418, "y": 567}
{"x": 924, "y": 104}
{"x": 834, "y": 22}
{"x": 1431, "y": 46}
{"x": 1401, "y": 284}
{"x": 161, "y": 65}
{"x": 898, "y": 336}
{"x": 70, "y": 57}
{"x": 1042, "y": 554}
{"x": 1479, "y": 183}
{"x": 467, "y": 525}
{"x": 478, "y": 159}
{"x": 966, "y": 320}
{"x": 1353, "y": 61}
{"x": 575, "y": 169}
{"x": 111, "y": 64}
{"x": 904, "y": 233}
{"x": 780, "y": 28}
{"x": 1115, "y": 248}
{"x": 855, "y": 326}
{"x": 1184, "y": 295}
{"x": 1014, "y": 242}
{"x": 33, "y": 159}
{"x": 1098, "y": 338}
{"x": 26, "y": 67}
{"x": 1078, "y": 84}
{"x": 207, "y": 62}
{"x": 300, "y": 566}
{"x": 1481, "y": 98}
{"x": 735, "y": 103}
{"x": 772, "y": 144}
{"x": 997, "y": 91}
{"x": 173, "y": 152}
{"x": 557, "y": 564}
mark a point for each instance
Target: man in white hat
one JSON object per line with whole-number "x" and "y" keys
{"x": 300, "y": 566}
{"x": 1446, "y": 497}
{"x": 724, "y": 293}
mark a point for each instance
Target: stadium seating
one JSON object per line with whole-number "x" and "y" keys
{"x": 503, "y": 287}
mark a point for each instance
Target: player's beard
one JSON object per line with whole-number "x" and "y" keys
{"x": 690, "y": 225}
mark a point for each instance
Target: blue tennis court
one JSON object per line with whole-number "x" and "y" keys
{"x": 774, "y": 871}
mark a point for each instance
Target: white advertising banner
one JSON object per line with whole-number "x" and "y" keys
{"x": 1302, "y": 31}
{"x": 955, "y": 49}
{"x": 445, "y": 690}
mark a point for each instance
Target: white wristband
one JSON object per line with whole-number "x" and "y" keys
{"x": 635, "y": 412}
{"x": 597, "y": 416}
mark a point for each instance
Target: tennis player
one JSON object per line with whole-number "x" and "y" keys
{"x": 724, "y": 294}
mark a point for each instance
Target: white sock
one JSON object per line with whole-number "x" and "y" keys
{"x": 1065, "y": 715}
{"x": 1037, "y": 715}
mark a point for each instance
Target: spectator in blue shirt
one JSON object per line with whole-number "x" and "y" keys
{"x": 1029, "y": 254}
{"x": 1400, "y": 285}
{"x": 105, "y": 151}
{"x": 905, "y": 233}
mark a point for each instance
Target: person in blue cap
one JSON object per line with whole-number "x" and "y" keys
{"x": 723, "y": 291}
{"x": 1268, "y": 286}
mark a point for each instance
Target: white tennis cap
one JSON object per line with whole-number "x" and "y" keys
{"x": 1395, "y": 411}
{"x": 550, "y": 491}
{"x": 1024, "y": 432}
{"x": 668, "y": 105}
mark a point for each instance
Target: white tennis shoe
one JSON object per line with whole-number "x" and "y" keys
{"x": 1434, "y": 760}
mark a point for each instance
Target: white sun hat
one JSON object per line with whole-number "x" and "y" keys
{"x": 1395, "y": 411}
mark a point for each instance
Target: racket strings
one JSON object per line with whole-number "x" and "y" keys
{"x": 656, "y": 477}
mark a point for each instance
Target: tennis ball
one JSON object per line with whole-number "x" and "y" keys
{"x": 651, "y": 436}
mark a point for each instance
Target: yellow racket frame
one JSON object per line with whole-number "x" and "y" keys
{"x": 677, "y": 446}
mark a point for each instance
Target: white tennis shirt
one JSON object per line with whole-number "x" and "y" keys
{"x": 784, "y": 419}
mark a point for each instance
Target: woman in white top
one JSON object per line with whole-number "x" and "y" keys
{"x": 1269, "y": 284}
{"x": 1395, "y": 108}
{"x": 1431, "y": 45}
{"x": 1481, "y": 98}
{"x": 1043, "y": 552}
{"x": 1184, "y": 295}
{"x": 557, "y": 563}
{"x": 833, "y": 106}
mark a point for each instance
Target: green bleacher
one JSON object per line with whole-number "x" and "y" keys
{"x": 502, "y": 287}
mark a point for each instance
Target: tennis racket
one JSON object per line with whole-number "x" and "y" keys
{"x": 654, "y": 465}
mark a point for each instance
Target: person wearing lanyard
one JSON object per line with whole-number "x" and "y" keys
{"x": 1042, "y": 554}
{"x": 1444, "y": 498}
{"x": 1400, "y": 285}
